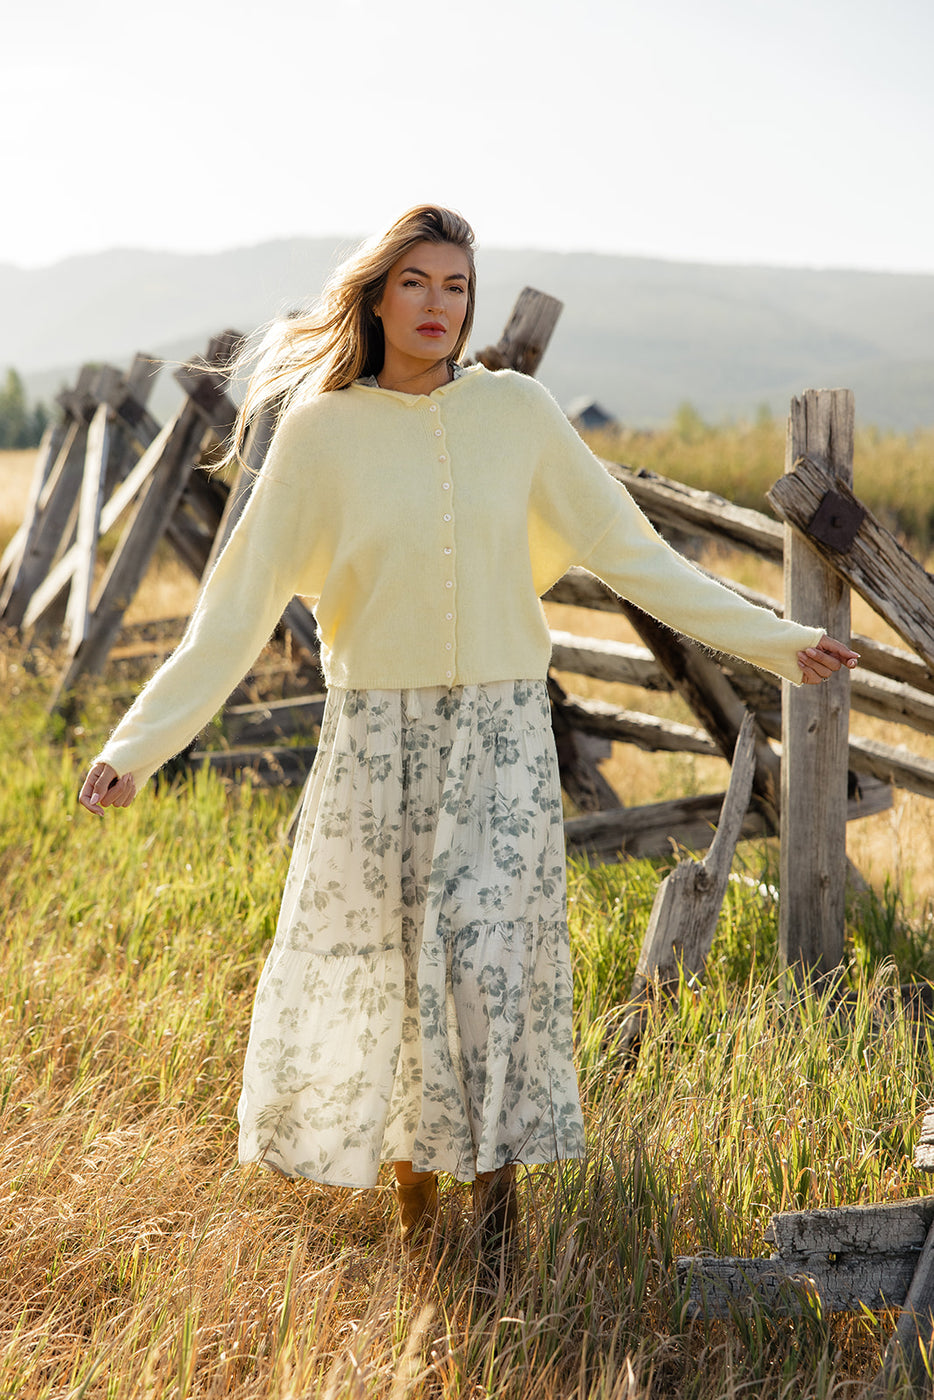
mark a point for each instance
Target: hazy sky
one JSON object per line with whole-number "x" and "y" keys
{"x": 798, "y": 132}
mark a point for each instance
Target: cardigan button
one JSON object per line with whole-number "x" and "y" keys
{"x": 438, "y": 432}
{"x": 448, "y": 674}
{"x": 447, "y": 549}
{"x": 445, "y": 517}
{"x": 442, "y": 457}
{"x": 449, "y": 583}
{"x": 432, "y": 408}
{"x": 447, "y": 646}
{"x": 445, "y": 486}
{"x": 449, "y": 617}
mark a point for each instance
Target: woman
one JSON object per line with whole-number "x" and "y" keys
{"x": 416, "y": 1004}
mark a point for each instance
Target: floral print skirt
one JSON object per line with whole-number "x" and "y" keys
{"x": 416, "y": 1003}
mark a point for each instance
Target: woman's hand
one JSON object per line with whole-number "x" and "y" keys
{"x": 104, "y": 787}
{"x": 817, "y": 663}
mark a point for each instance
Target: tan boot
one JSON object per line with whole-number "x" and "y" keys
{"x": 496, "y": 1214}
{"x": 418, "y": 1211}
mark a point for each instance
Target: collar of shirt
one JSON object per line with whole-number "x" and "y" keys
{"x": 369, "y": 381}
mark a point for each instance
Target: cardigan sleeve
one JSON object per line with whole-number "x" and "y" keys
{"x": 633, "y": 559}
{"x": 257, "y": 573}
{"x": 581, "y": 515}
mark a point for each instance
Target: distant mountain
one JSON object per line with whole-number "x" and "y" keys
{"x": 640, "y": 335}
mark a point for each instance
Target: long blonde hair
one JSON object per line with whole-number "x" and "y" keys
{"x": 340, "y": 338}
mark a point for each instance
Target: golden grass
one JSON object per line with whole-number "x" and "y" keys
{"x": 140, "y": 1262}
{"x": 170, "y": 590}
{"x": 15, "y": 480}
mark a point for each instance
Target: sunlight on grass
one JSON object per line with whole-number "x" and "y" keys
{"x": 142, "y": 1262}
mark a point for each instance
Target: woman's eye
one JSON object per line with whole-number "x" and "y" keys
{"x": 456, "y": 287}
{"x": 411, "y": 282}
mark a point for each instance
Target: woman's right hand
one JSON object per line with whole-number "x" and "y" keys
{"x": 105, "y": 787}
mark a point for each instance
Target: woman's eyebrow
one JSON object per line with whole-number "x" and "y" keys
{"x": 451, "y": 276}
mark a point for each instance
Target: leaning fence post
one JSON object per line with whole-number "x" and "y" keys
{"x": 815, "y": 719}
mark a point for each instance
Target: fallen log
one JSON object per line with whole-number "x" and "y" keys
{"x": 659, "y": 827}
{"x": 623, "y": 663}
{"x": 646, "y": 732}
{"x": 876, "y": 658}
{"x": 617, "y": 662}
{"x": 578, "y": 588}
{"x": 849, "y": 1257}
{"x": 268, "y": 767}
{"x": 275, "y": 720}
{"x": 836, "y": 1259}
{"x": 682, "y": 508}
{"x": 893, "y": 764}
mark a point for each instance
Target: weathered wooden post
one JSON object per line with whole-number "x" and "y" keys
{"x": 207, "y": 410}
{"x": 90, "y": 502}
{"x": 53, "y": 504}
{"x": 528, "y": 331}
{"x": 815, "y": 719}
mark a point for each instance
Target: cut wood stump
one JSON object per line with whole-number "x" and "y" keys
{"x": 847, "y": 1257}
{"x": 687, "y": 904}
{"x": 837, "y": 1259}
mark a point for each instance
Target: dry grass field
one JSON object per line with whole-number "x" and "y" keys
{"x": 15, "y": 477}
{"x": 141, "y": 1264}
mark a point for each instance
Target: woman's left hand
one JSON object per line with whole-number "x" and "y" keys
{"x": 817, "y": 663}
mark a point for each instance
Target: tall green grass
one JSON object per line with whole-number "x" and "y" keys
{"x": 141, "y": 1262}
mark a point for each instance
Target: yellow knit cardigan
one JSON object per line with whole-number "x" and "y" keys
{"x": 424, "y": 529}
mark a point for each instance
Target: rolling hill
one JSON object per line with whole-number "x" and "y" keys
{"x": 640, "y": 335}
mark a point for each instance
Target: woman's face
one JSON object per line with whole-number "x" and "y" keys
{"x": 424, "y": 302}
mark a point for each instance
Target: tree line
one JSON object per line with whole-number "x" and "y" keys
{"x": 20, "y": 424}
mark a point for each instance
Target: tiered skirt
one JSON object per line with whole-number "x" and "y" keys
{"x": 416, "y": 1003}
